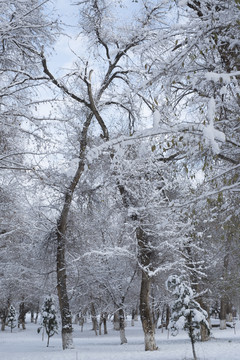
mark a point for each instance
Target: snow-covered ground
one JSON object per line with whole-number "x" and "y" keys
{"x": 28, "y": 345}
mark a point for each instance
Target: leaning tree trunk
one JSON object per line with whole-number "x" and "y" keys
{"x": 145, "y": 307}
{"x": 67, "y": 341}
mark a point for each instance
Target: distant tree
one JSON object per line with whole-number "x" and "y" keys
{"x": 186, "y": 312}
{"x": 49, "y": 318}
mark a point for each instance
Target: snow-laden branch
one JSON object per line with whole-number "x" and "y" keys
{"x": 110, "y": 252}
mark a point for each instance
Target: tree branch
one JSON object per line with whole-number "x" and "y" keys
{"x": 59, "y": 85}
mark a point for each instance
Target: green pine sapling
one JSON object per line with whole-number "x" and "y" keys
{"x": 186, "y": 312}
{"x": 49, "y": 318}
{"x": 11, "y": 317}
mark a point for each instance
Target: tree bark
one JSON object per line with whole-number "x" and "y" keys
{"x": 21, "y": 316}
{"x": 3, "y": 316}
{"x": 94, "y": 319}
{"x": 133, "y": 317}
{"x": 204, "y": 332}
{"x": 67, "y": 341}
{"x": 103, "y": 320}
{"x": 145, "y": 308}
{"x": 123, "y": 338}
{"x": 222, "y": 315}
{"x": 167, "y": 315}
{"x": 116, "y": 323}
{"x": 146, "y": 314}
{"x": 191, "y": 335}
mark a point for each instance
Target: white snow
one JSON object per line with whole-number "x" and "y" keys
{"x": 28, "y": 345}
{"x": 156, "y": 119}
{"x": 210, "y": 133}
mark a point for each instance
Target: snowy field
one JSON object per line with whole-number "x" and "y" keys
{"x": 28, "y": 345}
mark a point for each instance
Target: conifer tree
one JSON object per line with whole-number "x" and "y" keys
{"x": 11, "y": 317}
{"x": 186, "y": 312}
{"x": 49, "y": 318}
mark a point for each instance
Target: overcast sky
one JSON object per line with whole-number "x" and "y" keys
{"x": 62, "y": 55}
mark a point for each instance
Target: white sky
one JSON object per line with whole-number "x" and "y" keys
{"x": 62, "y": 55}
{"x": 68, "y": 13}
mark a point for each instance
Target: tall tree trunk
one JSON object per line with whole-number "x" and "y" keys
{"x": 67, "y": 341}
{"x": 145, "y": 307}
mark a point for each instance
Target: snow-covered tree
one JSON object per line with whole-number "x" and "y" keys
{"x": 49, "y": 318}
{"x": 187, "y": 313}
{"x": 24, "y": 28}
{"x": 201, "y": 77}
{"x": 99, "y": 82}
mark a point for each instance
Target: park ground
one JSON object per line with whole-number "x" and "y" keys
{"x": 29, "y": 345}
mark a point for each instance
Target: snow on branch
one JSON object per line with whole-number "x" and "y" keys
{"x": 110, "y": 252}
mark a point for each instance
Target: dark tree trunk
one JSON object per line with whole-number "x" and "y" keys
{"x": 204, "y": 331}
{"x": 103, "y": 320}
{"x": 116, "y": 324}
{"x": 21, "y": 316}
{"x": 223, "y": 313}
{"x": 191, "y": 335}
{"x": 4, "y": 315}
{"x": 32, "y": 316}
{"x": 37, "y": 313}
{"x": 167, "y": 316}
{"x": 133, "y": 317}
